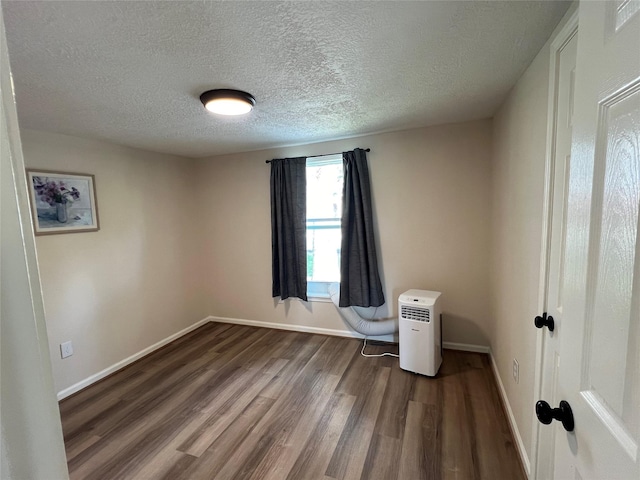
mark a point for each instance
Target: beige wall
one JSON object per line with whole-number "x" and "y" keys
{"x": 519, "y": 139}
{"x": 432, "y": 203}
{"x": 136, "y": 281}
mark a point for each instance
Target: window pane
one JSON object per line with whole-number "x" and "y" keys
{"x": 323, "y": 254}
{"x": 324, "y": 209}
{"x": 324, "y": 191}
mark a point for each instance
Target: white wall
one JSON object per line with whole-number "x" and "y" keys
{"x": 519, "y": 141}
{"x": 136, "y": 281}
{"x": 432, "y": 204}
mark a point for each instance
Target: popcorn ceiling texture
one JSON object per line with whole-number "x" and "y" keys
{"x": 131, "y": 72}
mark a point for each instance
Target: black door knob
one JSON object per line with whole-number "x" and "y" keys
{"x": 563, "y": 413}
{"x": 542, "y": 321}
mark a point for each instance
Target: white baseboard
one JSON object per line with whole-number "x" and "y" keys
{"x": 465, "y": 347}
{"x": 512, "y": 420}
{"x": 123, "y": 363}
{"x": 294, "y": 328}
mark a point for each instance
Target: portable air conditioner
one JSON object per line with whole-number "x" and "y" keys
{"x": 420, "y": 331}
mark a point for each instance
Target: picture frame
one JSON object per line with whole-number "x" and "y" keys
{"x": 62, "y": 202}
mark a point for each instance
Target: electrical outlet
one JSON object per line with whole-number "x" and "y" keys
{"x": 516, "y": 371}
{"x": 66, "y": 349}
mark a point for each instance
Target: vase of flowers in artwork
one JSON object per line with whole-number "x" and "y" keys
{"x": 57, "y": 195}
{"x": 61, "y": 212}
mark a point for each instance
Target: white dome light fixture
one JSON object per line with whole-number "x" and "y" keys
{"x": 228, "y": 102}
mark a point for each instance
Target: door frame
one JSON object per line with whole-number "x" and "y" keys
{"x": 31, "y": 434}
{"x": 567, "y": 31}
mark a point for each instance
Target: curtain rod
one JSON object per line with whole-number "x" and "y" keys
{"x": 324, "y": 155}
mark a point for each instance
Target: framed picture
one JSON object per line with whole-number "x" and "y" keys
{"x": 62, "y": 202}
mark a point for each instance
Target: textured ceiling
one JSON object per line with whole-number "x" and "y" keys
{"x": 131, "y": 72}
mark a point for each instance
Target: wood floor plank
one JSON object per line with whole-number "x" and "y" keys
{"x": 492, "y": 428}
{"x": 334, "y": 356}
{"x": 225, "y": 410}
{"x": 168, "y": 406}
{"x": 302, "y": 348}
{"x": 458, "y": 427}
{"x": 225, "y": 444}
{"x": 170, "y": 448}
{"x": 393, "y": 410}
{"x": 383, "y": 458}
{"x": 359, "y": 375}
{"x": 161, "y": 387}
{"x": 80, "y": 444}
{"x": 131, "y": 408}
{"x": 273, "y": 467}
{"x": 122, "y": 449}
{"x": 167, "y": 465}
{"x": 109, "y": 410}
{"x": 427, "y": 390}
{"x": 351, "y": 452}
{"x": 116, "y": 406}
{"x": 316, "y": 454}
{"x": 262, "y": 453}
{"x": 245, "y": 403}
{"x": 421, "y": 450}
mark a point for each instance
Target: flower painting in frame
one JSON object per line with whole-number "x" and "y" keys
{"x": 62, "y": 202}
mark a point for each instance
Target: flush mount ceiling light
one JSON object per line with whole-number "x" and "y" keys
{"x": 228, "y": 102}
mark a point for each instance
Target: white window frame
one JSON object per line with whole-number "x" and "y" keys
{"x": 319, "y": 291}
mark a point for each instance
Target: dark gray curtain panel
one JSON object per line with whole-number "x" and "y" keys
{"x": 288, "y": 227}
{"x": 359, "y": 278}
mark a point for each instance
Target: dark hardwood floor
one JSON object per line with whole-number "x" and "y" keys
{"x": 236, "y": 402}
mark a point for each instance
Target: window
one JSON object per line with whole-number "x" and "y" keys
{"x": 324, "y": 210}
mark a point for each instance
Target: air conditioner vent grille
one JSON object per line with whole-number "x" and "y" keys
{"x": 415, "y": 313}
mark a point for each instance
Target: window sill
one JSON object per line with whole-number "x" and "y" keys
{"x": 317, "y": 292}
{"x": 315, "y": 299}
{"x": 320, "y": 298}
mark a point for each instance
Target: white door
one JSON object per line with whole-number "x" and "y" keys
{"x": 599, "y": 373}
{"x": 563, "y": 52}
